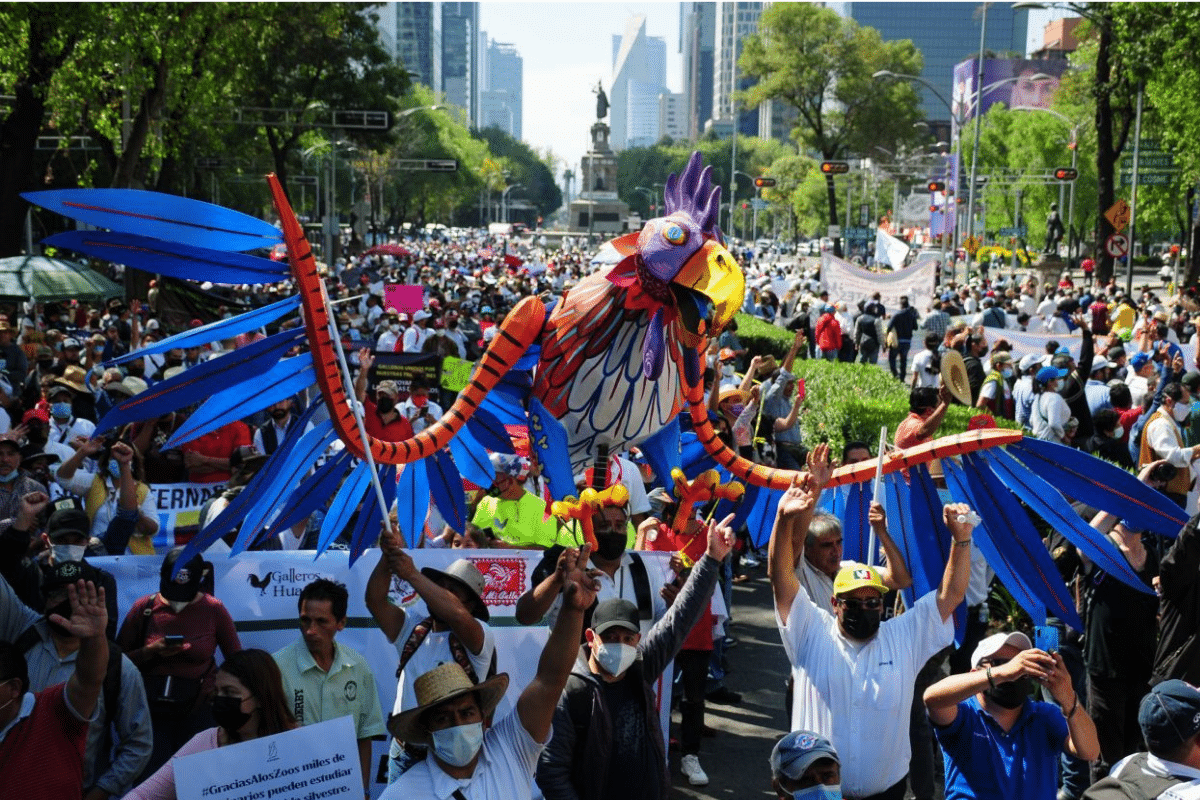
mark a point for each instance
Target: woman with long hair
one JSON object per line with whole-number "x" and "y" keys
{"x": 247, "y": 703}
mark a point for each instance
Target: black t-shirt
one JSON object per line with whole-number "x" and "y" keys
{"x": 632, "y": 769}
{"x": 1121, "y": 625}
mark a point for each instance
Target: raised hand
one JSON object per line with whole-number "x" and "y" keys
{"x": 720, "y": 538}
{"x": 122, "y": 453}
{"x": 89, "y": 615}
{"x": 579, "y": 591}
{"x": 950, "y": 514}
{"x": 876, "y": 515}
{"x": 795, "y": 501}
{"x": 818, "y": 466}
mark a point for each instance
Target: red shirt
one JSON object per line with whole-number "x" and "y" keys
{"x": 42, "y": 755}
{"x": 204, "y": 624}
{"x": 665, "y": 540}
{"x": 397, "y": 430}
{"x": 218, "y": 444}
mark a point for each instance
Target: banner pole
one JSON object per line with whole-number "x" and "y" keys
{"x": 356, "y": 408}
{"x": 875, "y": 493}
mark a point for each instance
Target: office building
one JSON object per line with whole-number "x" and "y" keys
{"x": 460, "y": 56}
{"x": 673, "y": 116}
{"x": 734, "y": 21}
{"x": 438, "y": 43}
{"x": 697, "y": 39}
{"x": 639, "y": 76}
{"x": 500, "y": 99}
{"x": 945, "y": 33}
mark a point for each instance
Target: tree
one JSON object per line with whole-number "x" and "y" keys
{"x": 822, "y": 65}
{"x": 525, "y": 168}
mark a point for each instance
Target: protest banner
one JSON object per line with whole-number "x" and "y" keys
{"x": 261, "y": 591}
{"x": 403, "y": 298}
{"x": 178, "y": 510}
{"x": 403, "y": 368}
{"x": 456, "y": 373}
{"x": 846, "y": 282}
{"x": 309, "y": 763}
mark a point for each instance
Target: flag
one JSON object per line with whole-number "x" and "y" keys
{"x": 889, "y": 249}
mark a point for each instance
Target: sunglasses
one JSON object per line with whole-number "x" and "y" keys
{"x": 854, "y": 604}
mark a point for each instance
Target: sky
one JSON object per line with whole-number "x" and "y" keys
{"x": 567, "y": 47}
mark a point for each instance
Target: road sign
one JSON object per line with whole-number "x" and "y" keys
{"x": 758, "y": 204}
{"x": 834, "y": 167}
{"x": 431, "y": 165}
{"x": 1116, "y": 245}
{"x": 304, "y": 180}
{"x": 209, "y": 163}
{"x": 1020, "y": 230}
{"x": 1150, "y": 178}
{"x": 764, "y": 183}
{"x": 363, "y": 120}
{"x": 857, "y": 232}
{"x": 1118, "y": 215}
{"x": 834, "y": 231}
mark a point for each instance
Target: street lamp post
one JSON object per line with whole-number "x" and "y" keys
{"x": 504, "y": 200}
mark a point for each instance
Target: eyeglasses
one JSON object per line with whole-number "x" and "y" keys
{"x": 854, "y": 604}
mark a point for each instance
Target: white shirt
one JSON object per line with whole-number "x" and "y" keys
{"x": 414, "y": 339}
{"x": 81, "y": 483}
{"x": 859, "y": 695}
{"x": 504, "y": 771}
{"x": 64, "y": 432}
{"x": 412, "y": 413}
{"x": 926, "y": 378}
{"x": 1048, "y": 416}
{"x": 1138, "y": 388}
{"x": 1164, "y": 438}
{"x": 434, "y": 650}
{"x": 817, "y": 584}
{"x": 620, "y": 585}
{"x": 387, "y": 342}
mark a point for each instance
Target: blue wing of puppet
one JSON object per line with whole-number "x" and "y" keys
{"x": 902, "y": 528}
{"x": 172, "y": 258}
{"x": 221, "y": 329}
{"x": 301, "y": 458}
{"x": 530, "y": 359}
{"x": 353, "y": 492}
{"x": 202, "y": 381}
{"x": 311, "y": 494}
{"x": 445, "y": 485}
{"x": 935, "y": 545}
{"x": 161, "y": 216}
{"x": 503, "y": 408}
{"x": 472, "y": 459}
{"x": 412, "y": 501}
{"x": 856, "y": 530}
{"x": 232, "y": 515}
{"x": 490, "y": 432}
{"x": 1051, "y": 506}
{"x": 548, "y": 438}
{"x": 286, "y": 378}
{"x": 1100, "y": 485}
{"x": 760, "y": 518}
{"x": 663, "y": 453}
{"x": 370, "y": 516}
{"x": 1007, "y": 565}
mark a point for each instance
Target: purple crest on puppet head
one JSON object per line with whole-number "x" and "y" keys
{"x": 666, "y": 243}
{"x": 694, "y": 194}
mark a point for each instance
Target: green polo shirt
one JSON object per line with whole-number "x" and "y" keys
{"x": 348, "y": 689}
{"x": 519, "y": 522}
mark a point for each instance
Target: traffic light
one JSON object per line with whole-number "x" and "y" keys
{"x": 834, "y": 167}
{"x": 763, "y": 183}
{"x": 937, "y": 186}
{"x": 745, "y": 206}
{"x": 1066, "y": 174}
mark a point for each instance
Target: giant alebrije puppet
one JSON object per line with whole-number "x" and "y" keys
{"x": 615, "y": 364}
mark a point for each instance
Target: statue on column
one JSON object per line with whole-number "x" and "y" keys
{"x": 601, "y": 101}
{"x": 1054, "y": 230}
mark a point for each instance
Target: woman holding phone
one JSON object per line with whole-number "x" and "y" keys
{"x": 247, "y": 702}
{"x": 172, "y": 636}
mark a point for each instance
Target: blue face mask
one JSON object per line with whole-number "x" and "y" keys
{"x": 10, "y": 477}
{"x": 61, "y": 410}
{"x": 819, "y": 792}
{"x": 114, "y": 469}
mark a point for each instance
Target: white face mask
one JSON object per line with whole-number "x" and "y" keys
{"x": 615, "y": 658}
{"x": 1181, "y": 411}
{"x": 67, "y": 552}
{"x": 727, "y": 370}
{"x": 1118, "y": 432}
{"x": 458, "y": 745}
{"x": 178, "y": 605}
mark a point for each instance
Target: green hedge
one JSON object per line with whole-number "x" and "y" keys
{"x": 845, "y": 402}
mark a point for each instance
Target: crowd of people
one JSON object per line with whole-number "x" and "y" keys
{"x": 119, "y": 697}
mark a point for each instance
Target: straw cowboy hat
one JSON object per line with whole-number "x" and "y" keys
{"x": 443, "y": 683}
{"x": 72, "y": 378}
{"x": 954, "y": 375}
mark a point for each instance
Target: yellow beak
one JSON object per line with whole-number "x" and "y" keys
{"x": 714, "y": 273}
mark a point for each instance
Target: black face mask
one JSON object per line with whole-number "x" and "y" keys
{"x": 227, "y": 712}
{"x": 610, "y": 546}
{"x": 860, "y": 623}
{"x": 63, "y": 609}
{"x": 278, "y": 413}
{"x": 174, "y": 362}
{"x": 385, "y": 405}
{"x": 1011, "y": 694}
{"x": 136, "y": 371}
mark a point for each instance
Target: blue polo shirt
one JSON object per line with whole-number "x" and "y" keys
{"x": 985, "y": 763}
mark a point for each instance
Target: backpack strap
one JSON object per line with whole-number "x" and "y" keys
{"x": 457, "y": 651}
{"x": 419, "y": 632}
{"x": 641, "y": 586}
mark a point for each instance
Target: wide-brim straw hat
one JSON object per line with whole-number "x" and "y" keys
{"x": 443, "y": 683}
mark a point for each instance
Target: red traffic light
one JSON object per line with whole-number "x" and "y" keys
{"x": 764, "y": 183}
{"x": 937, "y": 186}
{"x": 834, "y": 167}
{"x": 745, "y": 205}
{"x": 1066, "y": 174}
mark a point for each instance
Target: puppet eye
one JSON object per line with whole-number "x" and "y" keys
{"x": 675, "y": 234}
